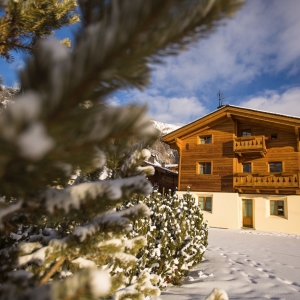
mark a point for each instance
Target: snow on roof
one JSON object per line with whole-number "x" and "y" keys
{"x": 171, "y": 165}
{"x": 160, "y": 167}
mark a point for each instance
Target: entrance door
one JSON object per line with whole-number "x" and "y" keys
{"x": 247, "y": 213}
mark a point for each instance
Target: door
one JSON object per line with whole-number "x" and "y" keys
{"x": 247, "y": 213}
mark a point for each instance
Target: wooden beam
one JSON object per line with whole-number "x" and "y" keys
{"x": 297, "y": 137}
{"x": 179, "y": 144}
{"x": 197, "y": 131}
{"x": 262, "y": 153}
{"x": 229, "y": 116}
{"x": 260, "y": 122}
{"x": 234, "y": 122}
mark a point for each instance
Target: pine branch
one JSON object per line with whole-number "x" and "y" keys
{"x": 24, "y": 22}
{"x": 50, "y": 131}
{"x": 53, "y": 270}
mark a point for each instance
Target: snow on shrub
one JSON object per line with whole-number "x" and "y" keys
{"x": 176, "y": 237}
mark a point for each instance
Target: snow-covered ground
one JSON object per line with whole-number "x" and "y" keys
{"x": 247, "y": 264}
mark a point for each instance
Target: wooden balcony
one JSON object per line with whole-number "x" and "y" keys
{"x": 268, "y": 181}
{"x": 250, "y": 144}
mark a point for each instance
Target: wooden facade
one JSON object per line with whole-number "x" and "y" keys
{"x": 239, "y": 150}
{"x": 163, "y": 180}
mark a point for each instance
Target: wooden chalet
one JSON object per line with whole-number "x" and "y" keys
{"x": 242, "y": 160}
{"x": 165, "y": 178}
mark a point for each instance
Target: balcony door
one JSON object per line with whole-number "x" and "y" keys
{"x": 247, "y": 213}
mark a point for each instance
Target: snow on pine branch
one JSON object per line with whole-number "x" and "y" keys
{"x": 9, "y": 209}
{"x": 96, "y": 283}
{"x": 130, "y": 120}
{"x": 32, "y": 142}
{"x": 136, "y": 157}
{"x": 84, "y": 263}
{"x": 74, "y": 196}
{"x": 110, "y": 220}
{"x": 37, "y": 257}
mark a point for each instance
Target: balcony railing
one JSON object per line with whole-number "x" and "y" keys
{"x": 246, "y": 144}
{"x": 278, "y": 180}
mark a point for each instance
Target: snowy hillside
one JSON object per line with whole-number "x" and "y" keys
{"x": 6, "y": 96}
{"x": 164, "y": 128}
{"x": 162, "y": 151}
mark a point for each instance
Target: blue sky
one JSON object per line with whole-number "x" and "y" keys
{"x": 254, "y": 61}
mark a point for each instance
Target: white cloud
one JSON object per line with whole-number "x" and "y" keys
{"x": 113, "y": 101}
{"x": 262, "y": 38}
{"x": 261, "y": 41}
{"x": 18, "y": 64}
{"x": 284, "y": 103}
{"x": 171, "y": 110}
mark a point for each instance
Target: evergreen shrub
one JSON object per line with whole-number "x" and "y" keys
{"x": 176, "y": 236}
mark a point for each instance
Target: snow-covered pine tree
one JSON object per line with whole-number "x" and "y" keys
{"x": 60, "y": 122}
{"x": 23, "y": 23}
{"x": 176, "y": 236}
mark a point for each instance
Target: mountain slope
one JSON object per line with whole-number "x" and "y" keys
{"x": 164, "y": 128}
{"x": 162, "y": 151}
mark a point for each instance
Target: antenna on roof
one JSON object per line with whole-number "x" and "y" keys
{"x": 220, "y": 99}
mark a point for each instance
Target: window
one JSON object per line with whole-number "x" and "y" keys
{"x": 207, "y": 139}
{"x": 275, "y": 167}
{"x": 205, "y": 203}
{"x": 277, "y": 207}
{"x": 274, "y": 136}
{"x": 205, "y": 168}
{"x": 247, "y": 168}
{"x": 246, "y": 132}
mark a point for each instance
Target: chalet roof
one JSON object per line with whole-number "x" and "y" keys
{"x": 284, "y": 122}
{"x": 161, "y": 168}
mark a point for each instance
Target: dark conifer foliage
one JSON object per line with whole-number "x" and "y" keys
{"x": 23, "y": 23}
{"x": 59, "y": 123}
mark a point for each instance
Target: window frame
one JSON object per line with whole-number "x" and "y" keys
{"x": 274, "y": 136}
{"x": 200, "y": 163}
{"x": 202, "y": 139}
{"x": 243, "y": 164}
{"x": 246, "y": 130}
{"x": 203, "y": 199}
{"x": 274, "y": 205}
{"x": 275, "y": 164}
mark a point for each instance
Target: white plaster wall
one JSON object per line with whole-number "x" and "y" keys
{"x": 290, "y": 223}
{"x": 225, "y": 209}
